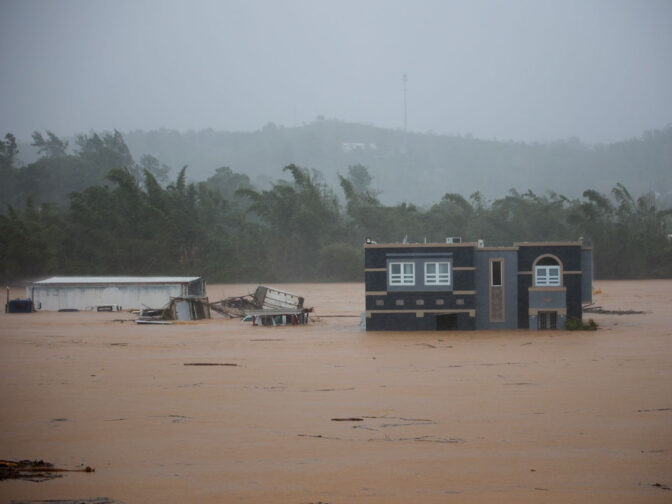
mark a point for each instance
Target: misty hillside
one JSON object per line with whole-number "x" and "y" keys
{"x": 418, "y": 168}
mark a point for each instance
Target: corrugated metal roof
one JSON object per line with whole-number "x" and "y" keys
{"x": 113, "y": 280}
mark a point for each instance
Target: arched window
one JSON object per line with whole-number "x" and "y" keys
{"x": 547, "y": 272}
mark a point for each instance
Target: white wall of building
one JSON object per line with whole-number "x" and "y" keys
{"x": 54, "y": 298}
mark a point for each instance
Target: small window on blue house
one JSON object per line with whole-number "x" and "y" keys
{"x": 402, "y": 273}
{"x": 437, "y": 273}
{"x": 496, "y": 273}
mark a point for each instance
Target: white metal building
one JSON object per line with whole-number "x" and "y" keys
{"x": 82, "y": 293}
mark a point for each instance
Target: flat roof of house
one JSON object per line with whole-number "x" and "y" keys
{"x": 515, "y": 246}
{"x": 96, "y": 280}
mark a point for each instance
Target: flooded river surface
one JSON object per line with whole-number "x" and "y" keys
{"x": 330, "y": 413}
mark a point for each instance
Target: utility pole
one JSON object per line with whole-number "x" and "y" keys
{"x": 404, "y": 79}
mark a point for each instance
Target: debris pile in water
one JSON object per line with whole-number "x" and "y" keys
{"x": 34, "y": 470}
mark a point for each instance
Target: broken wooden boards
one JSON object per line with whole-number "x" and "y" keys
{"x": 34, "y": 470}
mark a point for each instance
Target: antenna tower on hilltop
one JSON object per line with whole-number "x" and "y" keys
{"x": 405, "y": 80}
{"x": 404, "y": 147}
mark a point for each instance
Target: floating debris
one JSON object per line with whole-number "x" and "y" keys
{"x": 95, "y": 500}
{"x": 153, "y": 322}
{"x": 329, "y": 389}
{"x": 266, "y": 307}
{"x": 432, "y": 439}
{"x": 188, "y": 308}
{"x": 34, "y": 470}
{"x": 421, "y": 422}
{"x": 235, "y": 307}
{"x": 320, "y": 436}
{"x": 602, "y": 311}
{"x": 428, "y": 345}
{"x": 184, "y": 308}
{"x": 173, "y": 418}
{"x": 210, "y": 364}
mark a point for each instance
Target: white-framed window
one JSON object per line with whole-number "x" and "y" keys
{"x": 402, "y": 273}
{"x": 547, "y": 272}
{"x": 547, "y": 276}
{"x": 437, "y": 273}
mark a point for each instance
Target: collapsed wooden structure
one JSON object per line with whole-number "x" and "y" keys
{"x": 267, "y": 307}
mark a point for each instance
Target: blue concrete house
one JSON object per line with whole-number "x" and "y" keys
{"x": 467, "y": 286}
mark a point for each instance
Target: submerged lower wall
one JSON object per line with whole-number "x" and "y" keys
{"x": 420, "y": 321}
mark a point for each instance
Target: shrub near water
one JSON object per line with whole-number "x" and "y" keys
{"x": 576, "y": 324}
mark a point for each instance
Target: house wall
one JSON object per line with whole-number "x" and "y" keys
{"x": 524, "y": 284}
{"x": 510, "y": 288}
{"x": 196, "y": 288}
{"x": 375, "y": 255}
{"x": 412, "y": 322}
{"x": 569, "y": 254}
{"x": 59, "y": 297}
{"x": 548, "y": 299}
{"x": 466, "y": 303}
{"x": 417, "y": 307}
{"x": 587, "y": 275}
{"x": 419, "y": 260}
{"x": 573, "y": 284}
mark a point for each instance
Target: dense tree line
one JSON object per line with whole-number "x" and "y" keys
{"x": 57, "y": 173}
{"x": 128, "y": 218}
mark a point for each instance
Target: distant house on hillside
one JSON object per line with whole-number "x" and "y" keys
{"x": 348, "y": 147}
{"x": 80, "y": 293}
{"x": 466, "y": 286}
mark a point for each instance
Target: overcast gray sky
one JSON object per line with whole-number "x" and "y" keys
{"x": 523, "y": 70}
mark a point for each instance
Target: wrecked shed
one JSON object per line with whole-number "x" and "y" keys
{"x": 267, "y": 307}
{"x": 188, "y": 308}
{"x": 82, "y": 293}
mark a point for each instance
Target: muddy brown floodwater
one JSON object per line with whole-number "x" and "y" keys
{"x": 469, "y": 417}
